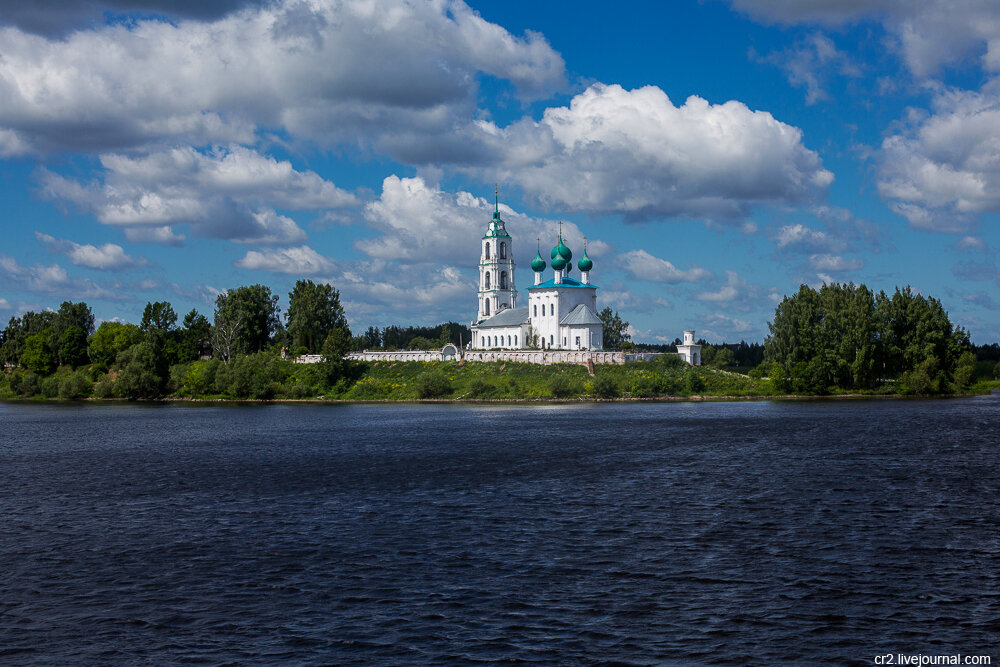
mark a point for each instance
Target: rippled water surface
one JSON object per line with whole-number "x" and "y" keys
{"x": 681, "y": 533}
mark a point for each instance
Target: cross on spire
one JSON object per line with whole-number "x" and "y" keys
{"x": 496, "y": 195}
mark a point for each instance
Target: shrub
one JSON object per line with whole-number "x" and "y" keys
{"x": 75, "y": 385}
{"x": 104, "y": 388}
{"x": 605, "y": 386}
{"x": 561, "y": 386}
{"x": 694, "y": 382}
{"x": 480, "y": 388}
{"x": 369, "y": 388}
{"x": 30, "y": 385}
{"x": 432, "y": 384}
{"x": 645, "y": 386}
{"x": 50, "y": 386}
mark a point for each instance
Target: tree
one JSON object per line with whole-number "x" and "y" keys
{"x": 615, "y": 329}
{"x": 38, "y": 356}
{"x": 158, "y": 315}
{"x": 196, "y": 336}
{"x": 73, "y": 347}
{"x": 19, "y": 329}
{"x": 111, "y": 339}
{"x": 314, "y": 311}
{"x": 723, "y": 357}
{"x": 245, "y": 319}
{"x": 140, "y": 372}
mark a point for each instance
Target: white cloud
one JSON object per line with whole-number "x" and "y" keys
{"x": 738, "y": 294}
{"x": 942, "y": 170}
{"x": 835, "y": 263}
{"x": 800, "y": 237}
{"x": 644, "y": 266}
{"x": 4, "y": 304}
{"x": 164, "y": 235}
{"x": 927, "y": 33}
{"x": 227, "y": 193}
{"x": 106, "y": 257}
{"x": 968, "y": 242}
{"x": 632, "y": 152}
{"x": 302, "y": 261}
{"x": 54, "y": 280}
{"x": 328, "y": 71}
{"x": 807, "y": 64}
{"x": 421, "y": 223}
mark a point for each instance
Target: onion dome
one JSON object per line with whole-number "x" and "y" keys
{"x": 560, "y": 250}
{"x": 585, "y": 263}
{"x": 559, "y": 262}
{"x": 538, "y": 264}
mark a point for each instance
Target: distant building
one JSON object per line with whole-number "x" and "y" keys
{"x": 690, "y": 351}
{"x": 561, "y": 313}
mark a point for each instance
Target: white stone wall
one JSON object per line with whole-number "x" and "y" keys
{"x": 546, "y": 357}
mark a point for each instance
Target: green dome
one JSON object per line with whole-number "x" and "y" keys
{"x": 558, "y": 263}
{"x": 585, "y": 263}
{"x": 538, "y": 264}
{"x": 561, "y": 250}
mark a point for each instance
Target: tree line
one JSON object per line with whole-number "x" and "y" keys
{"x": 847, "y": 336}
{"x": 62, "y": 353}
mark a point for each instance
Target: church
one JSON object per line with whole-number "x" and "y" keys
{"x": 561, "y": 313}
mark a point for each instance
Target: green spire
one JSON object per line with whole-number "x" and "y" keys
{"x": 585, "y": 263}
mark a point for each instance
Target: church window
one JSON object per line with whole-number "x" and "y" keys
{"x": 578, "y": 341}
{"x": 503, "y": 250}
{"x": 503, "y": 277}
{"x": 515, "y": 341}
{"x": 487, "y": 280}
{"x": 543, "y": 310}
{"x": 487, "y": 251}
{"x": 552, "y": 340}
{"x": 564, "y": 341}
{"x": 536, "y": 310}
{"x": 486, "y": 307}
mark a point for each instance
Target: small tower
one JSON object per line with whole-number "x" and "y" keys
{"x": 538, "y": 264}
{"x": 496, "y": 268}
{"x": 562, "y": 258}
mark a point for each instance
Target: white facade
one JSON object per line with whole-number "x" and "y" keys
{"x": 561, "y": 313}
{"x": 690, "y": 351}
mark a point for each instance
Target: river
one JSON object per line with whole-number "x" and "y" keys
{"x": 819, "y": 532}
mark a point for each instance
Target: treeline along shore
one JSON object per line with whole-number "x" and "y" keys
{"x": 839, "y": 339}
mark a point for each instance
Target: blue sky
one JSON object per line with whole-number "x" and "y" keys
{"x": 715, "y": 154}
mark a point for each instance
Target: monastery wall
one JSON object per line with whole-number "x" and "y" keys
{"x": 544, "y": 357}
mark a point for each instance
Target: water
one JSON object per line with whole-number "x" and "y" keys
{"x": 682, "y": 533}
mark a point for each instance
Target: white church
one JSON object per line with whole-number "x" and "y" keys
{"x": 561, "y": 313}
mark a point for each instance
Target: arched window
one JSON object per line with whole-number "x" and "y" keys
{"x": 487, "y": 251}
{"x": 508, "y": 341}
{"x": 486, "y": 307}
{"x": 503, "y": 250}
{"x": 503, "y": 277}
{"x": 543, "y": 310}
{"x": 515, "y": 341}
{"x": 552, "y": 340}
{"x": 536, "y": 310}
{"x": 487, "y": 280}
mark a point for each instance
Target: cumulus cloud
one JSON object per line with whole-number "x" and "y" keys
{"x": 982, "y": 299}
{"x": 331, "y": 72}
{"x": 164, "y": 235}
{"x": 971, "y": 242}
{"x": 738, "y": 293}
{"x": 303, "y": 261}
{"x": 801, "y": 237}
{"x": 634, "y": 153}
{"x": 942, "y": 170}
{"x": 809, "y": 62}
{"x": 644, "y": 266}
{"x": 376, "y": 291}
{"x": 226, "y": 193}
{"x": 55, "y": 281}
{"x": 927, "y": 33}
{"x": 421, "y": 223}
{"x": 106, "y": 257}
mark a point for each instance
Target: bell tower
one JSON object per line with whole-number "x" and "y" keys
{"x": 496, "y": 268}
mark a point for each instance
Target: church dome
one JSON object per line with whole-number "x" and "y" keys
{"x": 538, "y": 264}
{"x": 558, "y": 263}
{"x": 585, "y": 263}
{"x": 560, "y": 250}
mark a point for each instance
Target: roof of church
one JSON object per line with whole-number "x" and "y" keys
{"x": 566, "y": 282}
{"x": 582, "y": 314}
{"x": 511, "y": 317}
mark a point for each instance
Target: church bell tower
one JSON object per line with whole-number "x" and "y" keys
{"x": 496, "y": 269}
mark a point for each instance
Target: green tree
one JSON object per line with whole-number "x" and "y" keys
{"x": 38, "y": 356}
{"x": 314, "y": 311}
{"x": 158, "y": 315}
{"x": 111, "y": 339}
{"x": 140, "y": 372}
{"x": 723, "y": 357}
{"x": 196, "y": 336}
{"x": 615, "y": 329}
{"x": 73, "y": 347}
{"x": 245, "y": 320}
{"x": 16, "y": 334}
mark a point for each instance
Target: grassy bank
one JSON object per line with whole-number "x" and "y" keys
{"x": 265, "y": 377}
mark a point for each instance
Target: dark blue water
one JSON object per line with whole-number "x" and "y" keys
{"x": 741, "y": 533}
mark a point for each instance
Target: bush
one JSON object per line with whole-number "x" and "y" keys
{"x": 50, "y": 386}
{"x": 694, "y": 382}
{"x": 75, "y": 385}
{"x": 31, "y": 385}
{"x": 605, "y": 386}
{"x": 369, "y": 388}
{"x": 432, "y": 384}
{"x": 645, "y": 386}
{"x": 480, "y": 388}
{"x": 561, "y": 386}
{"x": 104, "y": 388}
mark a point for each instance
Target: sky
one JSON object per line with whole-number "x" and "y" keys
{"x": 716, "y": 154}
